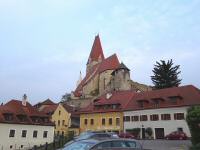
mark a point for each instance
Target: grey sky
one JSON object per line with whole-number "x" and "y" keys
{"x": 45, "y": 43}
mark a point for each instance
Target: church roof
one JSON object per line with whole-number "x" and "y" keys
{"x": 121, "y": 66}
{"x": 97, "y": 51}
{"x": 110, "y": 63}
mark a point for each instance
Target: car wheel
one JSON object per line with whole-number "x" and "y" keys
{"x": 180, "y": 138}
{"x": 167, "y": 138}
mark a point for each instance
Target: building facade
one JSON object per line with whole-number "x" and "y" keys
{"x": 22, "y": 126}
{"x": 106, "y": 112}
{"x": 164, "y": 111}
{"x": 66, "y": 120}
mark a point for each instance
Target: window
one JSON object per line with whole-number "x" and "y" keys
{"x": 117, "y": 121}
{"x": 58, "y": 122}
{"x": 141, "y": 104}
{"x": 103, "y": 121}
{"x": 180, "y": 129}
{"x": 8, "y": 117}
{"x": 85, "y": 121}
{"x": 143, "y": 118}
{"x": 11, "y": 146}
{"x": 154, "y": 117}
{"x": 59, "y": 112}
{"x": 24, "y": 133}
{"x": 45, "y": 134}
{"x": 156, "y": 103}
{"x": 134, "y": 118}
{"x": 12, "y": 133}
{"x": 63, "y": 122}
{"x": 22, "y": 146}
{"x": 127, "y": 118}
{"x": 179, "y": 116}
{"x": 58, "y": 132}
{"x": 91, "y": 121}
{"x": 35, "y": 134}
{"x": 165, "y": 117}
{"x": 110, "y": 121}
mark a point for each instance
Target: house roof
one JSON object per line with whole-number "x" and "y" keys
{"x": 128, "y": 100}
{"x": 97, "y": 51}
{"x": 15, "y": 108}
{"x": 120, "y": 98}
{"x": 47, "y": 102}
{"x": 48, "y": 109}
{"x": 188, "y": 96}
{"x": 110, "y": 63}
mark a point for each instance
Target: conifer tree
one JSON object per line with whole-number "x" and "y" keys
{"x": 165, "y": 75}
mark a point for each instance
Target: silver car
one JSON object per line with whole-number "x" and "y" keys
{"x": 108, "y": 144}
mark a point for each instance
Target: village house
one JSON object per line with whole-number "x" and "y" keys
{"x": 22, "y": 126}
{"x": 106, "y": 112}
{"x": 66, "y": 119}
{"x": 164, "y": 110}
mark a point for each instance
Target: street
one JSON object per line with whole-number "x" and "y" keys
{"x": 166, "y": 144}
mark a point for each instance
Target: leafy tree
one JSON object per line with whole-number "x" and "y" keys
{"x": 165, "y": 75}
{"x": 193, "y": 120}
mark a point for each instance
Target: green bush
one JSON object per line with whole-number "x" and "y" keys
{"x": 195, "y": 147}
{"x": 149, "y": 131}
{"x": 134, "y": 131}
{"x": 193, "y": 121}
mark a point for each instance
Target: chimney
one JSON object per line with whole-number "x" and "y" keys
{"x": 24, "y": 100}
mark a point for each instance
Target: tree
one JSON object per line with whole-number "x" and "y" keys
{"x": 165, "y": 75}
{"x": 193, "y": 121}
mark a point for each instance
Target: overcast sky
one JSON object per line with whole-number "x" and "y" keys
{"x": 45, "y": 43}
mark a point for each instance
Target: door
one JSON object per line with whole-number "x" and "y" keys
{"x": 143, "y": 133}
{"x": 159, "y": 133}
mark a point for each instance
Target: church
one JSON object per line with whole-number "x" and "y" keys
{"x": 103, "y": 74}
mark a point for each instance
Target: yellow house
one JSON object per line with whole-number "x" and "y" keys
{"x": 66, "y": 120}
{"x": 106, "y": 112}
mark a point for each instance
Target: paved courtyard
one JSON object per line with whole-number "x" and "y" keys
{"x": 166, "y": 144}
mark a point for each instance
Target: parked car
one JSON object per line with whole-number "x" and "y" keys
{"x": 126, "y": 135}
{"x": 93, "y": 135}
{"x": 108, "y": 144}
{"x": 176, "y": 135}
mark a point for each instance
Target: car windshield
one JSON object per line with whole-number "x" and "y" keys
{"x": 84, "y": 136}
{"x": 81, "y": 145}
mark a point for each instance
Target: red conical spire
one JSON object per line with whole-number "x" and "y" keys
{"x": 97, "y": 51}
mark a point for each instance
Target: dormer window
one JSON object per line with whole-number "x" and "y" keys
{"x": 157, "y": 102}
{"x": 8, "y": 117}
{"x": 174, "y": 99}
{"x": 22, "y": 118}
{"x": 35, "y": 119}
{"x": 142, "y": 103}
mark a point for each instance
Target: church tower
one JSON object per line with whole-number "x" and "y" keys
{"x": 96, "y": 55}
{"x": 121, "y": 78}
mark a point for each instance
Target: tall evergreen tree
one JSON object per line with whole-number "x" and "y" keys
{"x": 165, "y": 75}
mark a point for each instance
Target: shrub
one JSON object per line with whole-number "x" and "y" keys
{"x": 195, "y": 147}
{"x": 134, "y": 131}
{"x": 149, "y": 131}
{"x": 193, "y": 120}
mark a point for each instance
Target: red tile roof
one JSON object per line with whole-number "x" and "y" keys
{"x": 121, "y": 98}
{"x": 188, "y": 96}
{"x": 15, "y": 108}
{"x": 128, "y": 100}
{"x": 96, "y": 51}
{"x": 49, "y": 109}
{"x": 110, "y": 63}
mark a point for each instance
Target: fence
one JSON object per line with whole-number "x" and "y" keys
{"x": 59, "y": 142}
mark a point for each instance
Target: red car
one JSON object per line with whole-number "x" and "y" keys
{"x": 126, "y": 135}
{"x": 176, "y": 135}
